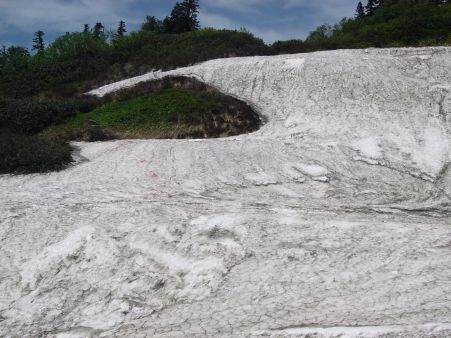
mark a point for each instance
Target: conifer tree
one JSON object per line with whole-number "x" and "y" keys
{"x": 360, "y": 12}
{"x": 99, "y": 30}
{"x": 370, "y": 7}
{"x": 121, "y": 29}
{"x": 192, "y": 9}
{"x": 379, "y": 3}
{"x": 183, "y": 17}
{"x": 86, "y": 28}
{"x": 38, "y": 41}
{"x": 120, "y": 32}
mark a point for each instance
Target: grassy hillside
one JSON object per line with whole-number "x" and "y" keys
{"x": 167, "y": 113}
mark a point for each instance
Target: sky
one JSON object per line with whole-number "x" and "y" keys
{"x": 269, "y": 19}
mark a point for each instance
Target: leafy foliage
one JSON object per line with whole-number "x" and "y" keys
{"x": 29, "y": 116}
{"x": 389, "y": 23}
{"x": 183, "y": 17}
{"x": 13, "y": 58}
{"x": 290, "y": 47}
{"x": 21, "y": 154}
{"x": 152, "y": 24}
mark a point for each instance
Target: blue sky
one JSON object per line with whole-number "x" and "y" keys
{"x": 269, "y": 19}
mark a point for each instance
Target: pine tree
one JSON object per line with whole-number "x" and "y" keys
{"x": 370, "y": 7}
{"x": 38, "y": 41}
{"x": 192, "y": 9}
{"x": 99, "y": 31}
{"x": 120, "y": 32}
{"x": 121, "y": 29}
{"x": 86, "y": 28}
{"x": 360, "y": 12}
{"x": 183, "y": 17}
{"x": 379, "y": 3}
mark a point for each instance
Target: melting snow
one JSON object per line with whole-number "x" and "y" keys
{"x": 279, "y": 232}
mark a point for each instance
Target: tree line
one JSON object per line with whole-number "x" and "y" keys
{"x": 77, "y": 61}
{"x": 387, "y": 23}
{"x": 373, "y": 5}
{"x": 160, "y": 42}
{"x": 377, "y": 23}
{"x": 183, "y": 18}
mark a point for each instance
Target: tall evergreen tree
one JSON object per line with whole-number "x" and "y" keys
{"x": 192, "y": 9}
{"x": 99, "y": 30}
{"x": 360, "y": 12}
{"x": 370, "y": 8}
{"x": 86, "y": 28}
{"x": 183, "y": 17}
{"x": 121, "y": 29}
{"x": 120, "y": 32}
{"x": 379, "y": 3}
{"x": 38, "y": 41}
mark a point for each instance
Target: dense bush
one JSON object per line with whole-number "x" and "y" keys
{"x": 20, "y": 154}
{"x": 31, "y": 116}
{"x": 291, "y": 47}
{"x": 165, "y": 51}
{"x": 395, "y": 23}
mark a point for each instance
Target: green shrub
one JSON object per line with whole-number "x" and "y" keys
{"x": 21, "y": 154}
{"x": 290, "y": 47}
{"x": 31, "y": 116}
{"x": 394, "y": 24}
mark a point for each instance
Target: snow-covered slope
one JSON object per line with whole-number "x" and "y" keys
{"x": 332, "y": 220}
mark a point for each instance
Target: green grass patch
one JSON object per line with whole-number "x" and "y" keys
{"x": 147, "y": 116}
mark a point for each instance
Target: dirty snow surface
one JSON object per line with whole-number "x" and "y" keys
{"x": 333, "y": 220}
